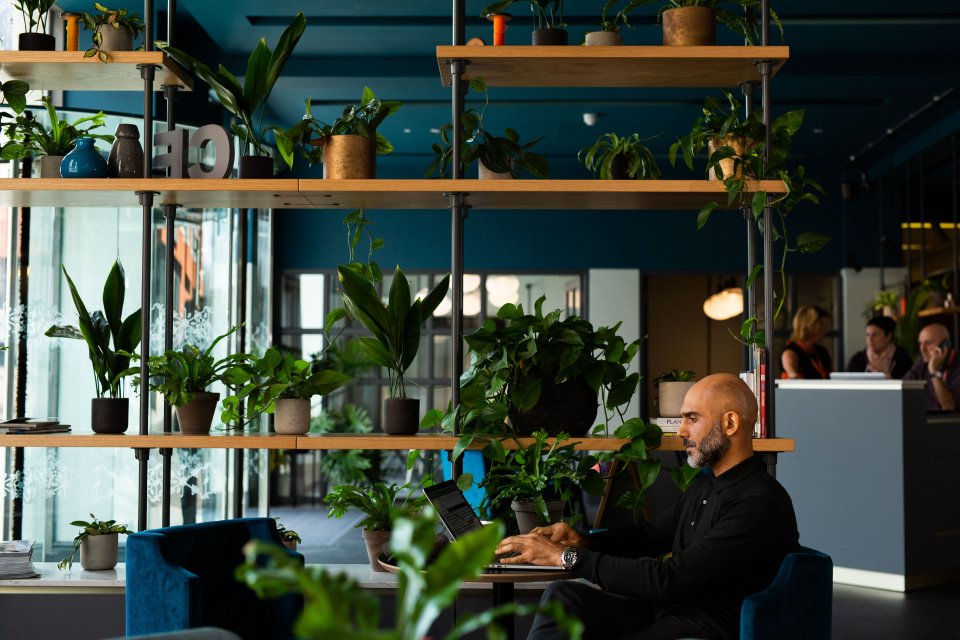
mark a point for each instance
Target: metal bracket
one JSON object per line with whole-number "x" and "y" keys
{"x": 142, "y": 454}
{"x": 764, "y": 67}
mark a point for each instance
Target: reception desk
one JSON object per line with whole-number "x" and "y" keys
{"x": 873, "y": 479}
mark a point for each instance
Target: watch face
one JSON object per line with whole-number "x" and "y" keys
{"x": 569, "y": 558}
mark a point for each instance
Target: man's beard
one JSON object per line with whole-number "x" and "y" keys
{"x": 711, "y": 448}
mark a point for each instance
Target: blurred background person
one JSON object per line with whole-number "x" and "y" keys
{"x": 803, "y": 356}
{"x": 883, "y": 354}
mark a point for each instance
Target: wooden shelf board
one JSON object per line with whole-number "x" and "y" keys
{"x": 938, "y": 311}
{"x": 216, "y": 440}
{"x": 445, "y": 442}
{"x": 70, "y": 71}
{"x": 121, "y": 192}
{"x": 689, "y": 195}
{"x": 527, "y": 66}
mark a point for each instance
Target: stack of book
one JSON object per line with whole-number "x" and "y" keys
{"x": 15, "y": 560}
{"x": 33, "y": 425}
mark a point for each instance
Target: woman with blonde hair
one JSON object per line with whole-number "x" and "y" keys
{"x": 804, "y": 356}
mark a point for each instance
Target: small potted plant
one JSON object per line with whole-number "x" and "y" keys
{"x": 249, "y": 101}
{"x": 185, "y": 376}
{"x": 281, "y": 384}
{"x": 348, "y": 147}
{"x": 616, "y": 158}
{"x": 97, "y": 542}
{"x": 610, "y": 24}
{"x": 289, "y": 537}
{"x": 113, "y": 30}
{"x": 109, "y": 338}
{"x": 396, "y": 336}
{"x": 498, "y": 157}
{"x": 31, "y": 137}
{"x": 548, "y": 20}
{"x": 693, "y": 22}
{"x": 538, "y": 479}
{"x": 673, "y": 386}
{"x": 378, "y": 503}
{"x": 35, "y": 36}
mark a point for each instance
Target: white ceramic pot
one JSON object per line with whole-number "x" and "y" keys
{"x": 486, "y": 174}
{"x": 671, "y": 397}
{"x": 376, "y": 542}
{"x": 50, "y": 166}
{"x": 292, "y": 417}
{"x": 602, "y": 39}
{"x": 99, "y": 553}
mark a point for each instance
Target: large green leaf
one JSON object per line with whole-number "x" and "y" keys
{"x": 285, "y": 46}
{"x": 399, "y": 308}
{"x": 378, "y": 353}
{"x": 435, "y": 297}
{"x": 113, "y": 294}
{"x": 254, "y": 80}
{"x": 367, "y": 307}
{"x": 411, "y": 338}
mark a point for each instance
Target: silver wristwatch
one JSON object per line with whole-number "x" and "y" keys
{"x": 569, "y": 558}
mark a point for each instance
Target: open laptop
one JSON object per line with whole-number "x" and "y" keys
{"x": 458, "y": 518}
{"x": 857, "y": 375}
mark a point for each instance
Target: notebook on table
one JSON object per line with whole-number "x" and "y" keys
{"x": 458, "y": 518}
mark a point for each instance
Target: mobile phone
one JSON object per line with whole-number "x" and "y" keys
{"x": 946, "y": 344}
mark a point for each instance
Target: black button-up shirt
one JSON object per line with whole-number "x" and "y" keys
{"x": 727, "y": 536}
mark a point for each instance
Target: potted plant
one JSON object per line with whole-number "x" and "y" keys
{"x": 113, "y": 30}
{"x": 617, "y": 158}
{"x": 281, "y": 384}
{"x": 185, "y": 376}
{"x": 498, "y": 157}
{"x": 31, "y": 137}
{"x": 100, "y": 330}
{"x": 378, "y": 503}
{"x": 693, "y": 22}
{"x": 35, "y": 36}
{"x": 97, "y": 542}
{"x": 538, "y": 479}
{"x": 396, "y": 336}
{"x": 289, "y": 537}
{"x": 673, "y": 386}
{"x": 348, "y": 146}
{"x": 609, "y": 34}
{"x": 248, "y": 101}
{"x": 548, "y": 20}
{"x": 542, "y": 372}
{"x": 886, "y": 302}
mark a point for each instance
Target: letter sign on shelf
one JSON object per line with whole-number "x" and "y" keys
{"x": 175, "y": 160}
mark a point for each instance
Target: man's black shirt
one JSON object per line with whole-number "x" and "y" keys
{"x": 728, "y": 536}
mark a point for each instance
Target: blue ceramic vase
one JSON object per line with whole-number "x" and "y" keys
{"x": 84, "y": 161}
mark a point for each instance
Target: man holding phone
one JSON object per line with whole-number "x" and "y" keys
{"x": 939, "y": 366}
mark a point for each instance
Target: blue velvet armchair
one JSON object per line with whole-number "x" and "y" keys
{"x": 798, "y": 604}
{"x": 183, "y": 577}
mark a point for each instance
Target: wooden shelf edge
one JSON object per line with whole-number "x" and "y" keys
{"x": 938, "y": 311}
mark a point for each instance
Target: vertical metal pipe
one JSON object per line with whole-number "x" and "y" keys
{"x": 170, "y": 217}
{"x": 750, "y": 308}
{"x": 242, "y": 249}
{"x": 953, "y": 235}
{"x": 457, "y": 214}
{"x": 923, "y": 220}
{"x": 459, "y": 28}
{"x": 765, "y": 24}
{"x": 769, "y": 262}
{"x": 20, "y": 394}
{"x": 171, "y": 20}
{"x": 148, "y": 25}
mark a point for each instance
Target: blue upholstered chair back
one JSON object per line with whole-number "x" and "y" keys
{"x": 183, "y": 577}
{"x": 798, "y": 604}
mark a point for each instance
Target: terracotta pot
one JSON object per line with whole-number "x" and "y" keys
{"x": 689, "y": 27}
{"x": 528, "y": 518}
{"x": 109, "y": 415}
{"x": 255, "y": 168}
{"x": 401, "y": 416}
{"x": 484, "y": 173}
{"x": 549, "y": 37}
{"x": 37, "y": 42}
{"x": 292, "y": 417}
{"x": 99, "y": 553}
{"x": 349, "y": 158}
{"x": 196, "y": 416}
{"x": 739, "y": 145}
{"x": 603, "y": 39}
{"x": 50, "y": 166}
{"x": 671, "y": 397}
{"x": 376, "y": 542}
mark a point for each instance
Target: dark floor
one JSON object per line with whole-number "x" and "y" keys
{"x": 858, "y": 613}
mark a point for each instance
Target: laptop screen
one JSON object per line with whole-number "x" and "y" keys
{"x": 452, "y": 507}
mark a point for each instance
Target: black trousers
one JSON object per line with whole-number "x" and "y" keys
{"x": 608, "y": 616}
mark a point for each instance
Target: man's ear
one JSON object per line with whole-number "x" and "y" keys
{"x": 730, "y": 422}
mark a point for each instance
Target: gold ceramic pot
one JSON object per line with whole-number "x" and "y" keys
{"x": 739, "y": 145}
{"x": 689, "y": 27}
{"x": 349, "y": 158}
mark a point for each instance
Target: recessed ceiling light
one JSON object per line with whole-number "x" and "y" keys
{"x": 406, "y": 130}
{"x": 434, "y": 130}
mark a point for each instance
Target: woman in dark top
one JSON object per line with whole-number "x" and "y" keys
{"x": 804, "y": 356}
{"x": 882, "y": 353}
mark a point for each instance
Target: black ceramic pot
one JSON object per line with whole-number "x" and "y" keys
{"x": 618, "y": 168}
{"x": 37, "y": 42}
{"x": 256, "y": 167}
{"x": 110, "y": 415}
{"x": 401, "y": 416}
{"x": 548, "y": 37}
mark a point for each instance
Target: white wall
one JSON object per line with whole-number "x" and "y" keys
{"x": 614, "y": 296}
{"x": 857, "y": 289}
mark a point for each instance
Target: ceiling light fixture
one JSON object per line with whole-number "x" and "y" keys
{"x": 590, "y": 118}
{"x": 724, "y": 304}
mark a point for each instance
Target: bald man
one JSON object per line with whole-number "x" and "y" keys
{"x": 938, "y": 366}
{"x": 728, "y": 534}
